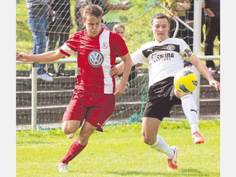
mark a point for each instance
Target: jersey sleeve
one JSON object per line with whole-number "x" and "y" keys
{"x": 138, "y": 57}
{"x": 70, "y": 46}
{"x": 185, "y": 50}
{"x": 118, "y": 45}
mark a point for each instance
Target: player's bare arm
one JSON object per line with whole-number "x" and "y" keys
{"x": 44, "y": 57}
{"x": 204, "y": 71}
{"x": 119, "y": 68}
{"x": 127, "y": 64}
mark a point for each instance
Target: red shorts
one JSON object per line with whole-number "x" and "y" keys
{"x": 94, "y": 108}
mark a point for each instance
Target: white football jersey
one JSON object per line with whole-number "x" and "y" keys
{"x": 164, "y": 58}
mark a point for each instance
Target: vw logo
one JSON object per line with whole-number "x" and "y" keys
{"x": 95, "y": 59}
{"x": 170, "y": 47}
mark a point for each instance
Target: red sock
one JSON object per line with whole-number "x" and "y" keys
{"x": 73, "y": 151}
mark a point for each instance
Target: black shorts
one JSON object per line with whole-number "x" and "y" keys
{"x": 161, "y": 98}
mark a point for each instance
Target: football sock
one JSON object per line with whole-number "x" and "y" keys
{"x": 190, "y": 110}
{"x": 163, "y": 147}
{"x": 73, "y": 151}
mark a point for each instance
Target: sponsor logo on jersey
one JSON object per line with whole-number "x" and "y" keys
{"x": 170, "y": 47}
{"x": 104, "y": 45}
{"x": 166, "y": 47}
{"x": 155, "y": 57}
{"x": 95, "y": 59}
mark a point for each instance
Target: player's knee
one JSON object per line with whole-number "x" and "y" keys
{"x": 67, "y": 130}
{"x": 83, "y": 138}
{"x": 70, "y": 127}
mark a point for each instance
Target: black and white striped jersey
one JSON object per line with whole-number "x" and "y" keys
{"x": 164, "y": 58}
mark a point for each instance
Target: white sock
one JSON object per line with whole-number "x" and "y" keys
{"x": 163, "y": 147}
{"x": 190, "y": 110}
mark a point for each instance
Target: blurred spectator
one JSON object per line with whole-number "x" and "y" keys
{"x": 38, "y": 11}
{"x": 58, "y": 31}
{"x": 104, "y": 4}
{"x": 179, "y": 9}
{"x": 189, "y": 20}
{"x": 212, "y": 10}
{"x": 120, "y": 29}
{"x": 186, "y": 33}
{"x": 203, "y": 20}
{"x": 184, "y": 10}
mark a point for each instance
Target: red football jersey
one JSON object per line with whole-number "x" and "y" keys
{"x": 96, "y": 56}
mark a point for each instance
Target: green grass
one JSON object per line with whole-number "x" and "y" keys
{"x": 119, "y": 151}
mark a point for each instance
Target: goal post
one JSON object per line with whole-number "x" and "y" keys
{"x": 197, "y": 45}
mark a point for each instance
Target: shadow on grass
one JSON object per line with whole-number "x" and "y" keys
{"x": 181, "y": 172}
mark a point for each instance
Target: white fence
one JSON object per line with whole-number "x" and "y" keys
{"x": 34, "y": 89}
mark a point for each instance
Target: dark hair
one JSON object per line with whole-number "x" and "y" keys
{"x": 161, "y": 16}
{"x": 93, "y": 10}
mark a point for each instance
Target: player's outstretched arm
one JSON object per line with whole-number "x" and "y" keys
{"x": 44, "y": 57}
{"x": 204, "y": 71}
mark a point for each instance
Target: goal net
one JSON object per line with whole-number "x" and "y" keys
{"x": 53, "y": 97}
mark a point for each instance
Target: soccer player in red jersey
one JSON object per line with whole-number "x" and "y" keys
{"x": 93, "y": 99}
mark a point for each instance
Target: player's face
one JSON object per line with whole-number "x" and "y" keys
{"x": 93, "y": 25}
{"x": 160, "y": 28}
{"x": 120, "y": 30}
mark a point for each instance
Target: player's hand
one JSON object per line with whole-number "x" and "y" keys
{"x": 21, "y": 56}
{"x": 209, "y": 12}
{"x": 119, "y": 89}
{"x": 215, "y": 84}
{"x": 114, "y": 71}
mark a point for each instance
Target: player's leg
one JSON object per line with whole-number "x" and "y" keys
{"x": 103, "y": 106}
{"x": 72, "y": 119}
{"x": 209, "y": 42}
{"x": 69, "y": 127}
{"x": 74, "y": 115}
{"x": 149, "y": 130}
{"x": 191, "y": 112}
{"x": 78, "y": 145}
{"x": 156, "y": 108}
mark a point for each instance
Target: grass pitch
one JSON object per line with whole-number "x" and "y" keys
{"x": 119, "y": 151}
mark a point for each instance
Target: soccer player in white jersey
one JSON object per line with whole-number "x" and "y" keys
{"x": 165, "y": 56}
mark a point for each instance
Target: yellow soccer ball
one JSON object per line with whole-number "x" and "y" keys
{"x": 185, "y": 81}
